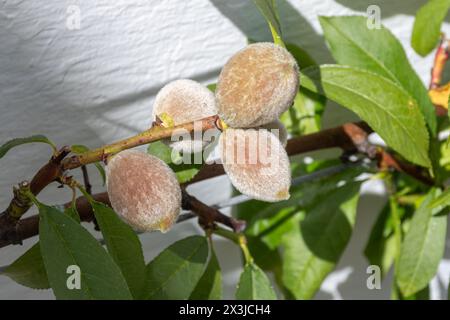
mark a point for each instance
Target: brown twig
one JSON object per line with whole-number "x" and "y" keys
{"x": 87, "y": 183}
{"x": 387, "y": 160}
{"x": 208, "y": 216}
{"x": 440, "y": 59}
{"x": 49, "y": 173}
{"x": 29, "y": 227}
{"x": 349, "y": 137}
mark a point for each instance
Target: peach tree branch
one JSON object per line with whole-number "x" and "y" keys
{"x": 350, "y": 137}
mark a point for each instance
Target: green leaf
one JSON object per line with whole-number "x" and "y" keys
{"x": 72, "y": 212}
{"x": 385, "y": 106}
{"x": 266, "y": 258}
{"x": 442, "y": 200}
{"x": 254, "y": 285}
{"x": 448, "y": 108}
{"x": 78, "y": 149}
{"x": 422, "y": 249}
{"x": 440, "y": 161}
{"x": 303, "y": 58}
{"x": 161, "y": 151}
{"x": 423, "y": 294}
{"x": 376, "y": 50}
{"x": 398, "y": 227}
{"x": 269, "y": 260}
{"x": 4, "y": 148}
{"x": 210, "y": 285}
{"x": 272, "y": 221}
{"x": 175, "y": 272}
{"x": 124, "y": 247}
{"x": 29, "y": 270}
{"x": 271, "y": 229}
{"x": 304, "y": 117}
{"x": 427, "y": 26}
{"x": 268, "y": 224}
{"x": 448, "y": 115}
{"x": 212, "y": 87}
{"x": 381, "y": 247}
{"x": 269, "y": 11}
{"x": 65, "y": 243}
{"x": 313, "y": 247}
{"x": 183, "y": 171}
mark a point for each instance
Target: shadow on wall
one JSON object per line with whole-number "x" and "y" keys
{"x": 140, "y": 96}
{"x": 296, "y": 29}
{"x": 33, "y": 49}
{"x": 243, "y": 14}
{"x": 389, "y": 8}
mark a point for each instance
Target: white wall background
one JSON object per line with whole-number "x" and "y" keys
{"x": 96, "y": 84}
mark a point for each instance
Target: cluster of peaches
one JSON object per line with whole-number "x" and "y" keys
{"x": 255, "y": 87}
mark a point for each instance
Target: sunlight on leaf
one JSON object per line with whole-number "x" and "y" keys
{"x": 379, "y": 51}
{"x": 254, "y": 285}
{"x": 427, "y": 26}
{"x": 269, "y": 11}
{"x": 422, "y": 248}
{"x": 385, "y": 106}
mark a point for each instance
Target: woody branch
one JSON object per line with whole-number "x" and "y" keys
{"x": 350, "y": 137}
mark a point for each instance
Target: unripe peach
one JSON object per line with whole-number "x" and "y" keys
{"x": 183, "y": 101}
{"x": 256, "y": 163}
{"x": 143, "y": 191}
{"x": 278, "y": 129}
{"x": 257, "y": 85}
